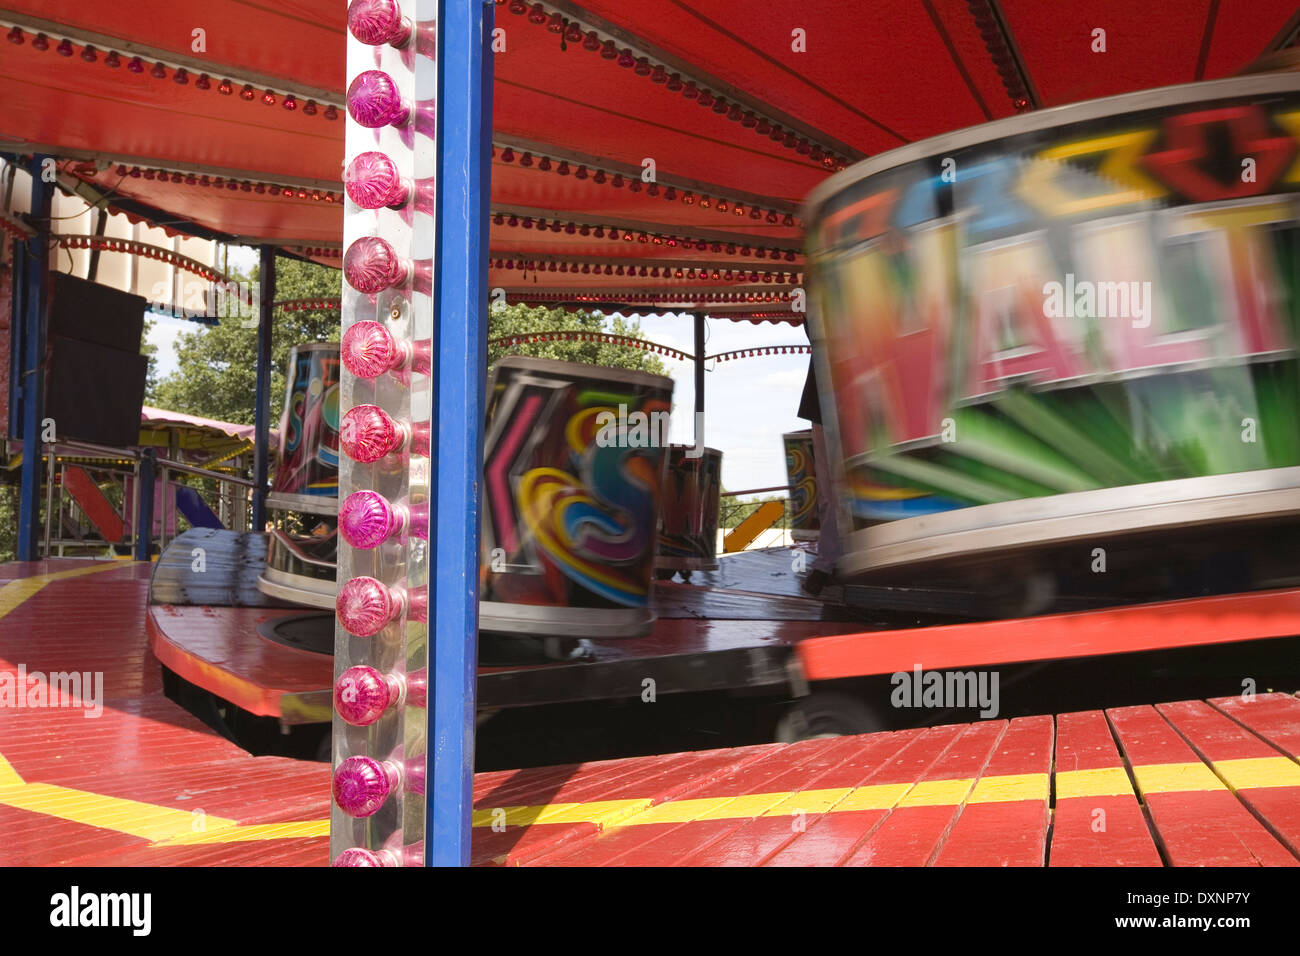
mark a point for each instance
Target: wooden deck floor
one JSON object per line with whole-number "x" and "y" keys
{"x": 123, "y": 776}
{"x": 142, "y": 783}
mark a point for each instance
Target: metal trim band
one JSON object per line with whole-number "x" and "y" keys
{"x": 1057, "y": 116}
{"x": 1008, "y": 525}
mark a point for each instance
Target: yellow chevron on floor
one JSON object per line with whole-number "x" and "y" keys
{"x": 161, "y": 826}
{"x": 15, "y": 592}
{"x": 249, "y": 832}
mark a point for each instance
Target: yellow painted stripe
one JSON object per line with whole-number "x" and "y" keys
{"x": 248, "y": 832}
{"x": 1176, "y": 778}
{"x": 15, "y": 592}
{"x": 600, "y": 812}
{"x": 808, "y": 802}
{"x": 1101, "y": 782}
{"x": 937, "y": 793}
{"x": 879, "y": 796}
{"x": 144, "y": 820}
{"x": 8, "y": 775}
{"x": 1255, "y": 772}
{"x": 1011, "y": 787}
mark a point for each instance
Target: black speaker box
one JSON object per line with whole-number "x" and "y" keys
{"x": 94, "y": 385}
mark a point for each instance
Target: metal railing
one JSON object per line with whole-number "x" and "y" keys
{"x": 732, "y": 512}
{"x": 116, "y": 472}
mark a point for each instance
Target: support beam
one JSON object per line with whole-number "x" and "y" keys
{"x": 460, "y": 345}
{"x": 144, "y": 506}
{"x": 36, "y": 285}
{"x": 261, "y": 413}
{"x": 699, "y": 378}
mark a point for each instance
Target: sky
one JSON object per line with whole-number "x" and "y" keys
{"x": 748, "y": 403}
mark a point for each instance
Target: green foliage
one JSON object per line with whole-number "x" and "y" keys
{"x": 217, "y": 365}
{"x": 522, "y": 320}
{"x": 149, "y": 351}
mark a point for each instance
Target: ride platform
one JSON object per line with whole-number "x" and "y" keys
{"x": 1190, "y": 783}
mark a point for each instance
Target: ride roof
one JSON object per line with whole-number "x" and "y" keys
{"x": 742, "y": 107}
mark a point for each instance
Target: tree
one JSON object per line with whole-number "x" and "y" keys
{"x": 150, "y": 352}
{"x": 520, "y": 320}
{"x": 217, "y": 365}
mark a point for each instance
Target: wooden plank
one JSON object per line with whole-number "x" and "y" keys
{"x": 671, "y": 830}
{"x": 833, "y": 837}
{"x": 550, "y": 811}
{"x": 916, "y": 828}
{"x": 1198, "y": 821}
{"x": 1006, "y": 816}
{"x": 1263, "y": 778}
{"x": 1097, "y": 821}
{"x": 1274, "y": 717}
{"x": 850, "y": 765}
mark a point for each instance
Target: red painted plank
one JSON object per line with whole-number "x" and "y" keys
{"x": 833, "y": 837}
{"x": 1195, "y": 827}
{"x": 779, "y": 770}
{"x": 1275, "y": 717}
{"x": 1007, "y": 833}
{"x": 913, "y": 835}
{"x": 1096, "y": 830}
{"x": 666, "y": 778}
{"x": 756, "y": 840}
{"x": 1211, "y": 620}
{"x": 1220, "y": 740}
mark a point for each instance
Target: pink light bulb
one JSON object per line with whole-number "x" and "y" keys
{"x": 374, "y": 102}
{"x": 372, "y": 181}
{"x": 360, "y": 856}
{"x": 372, "y": 265}
{"x": 369, "y": 350}
{"x": 376, "y": 22}
{"x": 366, "y": 606}
{"x": 367, "y": 520}
{"x": 367, "y": 433}
{"x": 362, "y": 694}
{"x": 362, "y": 784}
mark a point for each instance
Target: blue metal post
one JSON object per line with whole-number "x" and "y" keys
{"x": 144, "y": 507}
{"x": 460, "y": 341}
{"x": 266, "y": 312}
{"x": 35, "y": 293}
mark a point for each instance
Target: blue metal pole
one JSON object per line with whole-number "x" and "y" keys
{"x": 460, "y": 342}
{"x": 144, "y": 507}
{"x": 36, "y": 291}
{"x": 261, "y": 410}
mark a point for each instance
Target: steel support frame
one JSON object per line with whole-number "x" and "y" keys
{"x": 33, "y": 319}
{"x": 464, "y": 132}
{"x": 261, "y": 411}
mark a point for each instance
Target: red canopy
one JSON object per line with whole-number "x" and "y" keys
{"x": 231, "y": 119}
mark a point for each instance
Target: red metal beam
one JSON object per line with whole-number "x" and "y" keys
{"x": 1146, "y": 627}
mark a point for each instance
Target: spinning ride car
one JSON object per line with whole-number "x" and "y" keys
{"x": 301, "y": 564}
{"x": 1069, "y": 326}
